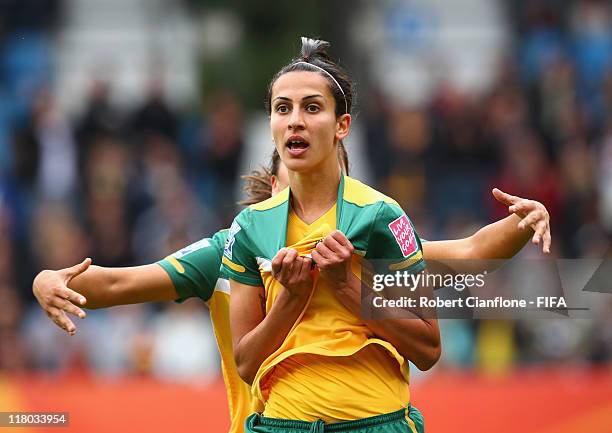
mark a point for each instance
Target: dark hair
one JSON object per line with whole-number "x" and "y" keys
{"x": 258, "y": 184}
{"x": 314, "y": 56}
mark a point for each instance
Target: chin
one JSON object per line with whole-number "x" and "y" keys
{"x": 299, "y": 165}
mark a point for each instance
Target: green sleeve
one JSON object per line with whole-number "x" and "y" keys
{"x": 194, "y": 270}
{"x": 394, "y": 243}
{"x": 239, "y": 261}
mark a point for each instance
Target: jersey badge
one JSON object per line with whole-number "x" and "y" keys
{"x": 404, "y": 235}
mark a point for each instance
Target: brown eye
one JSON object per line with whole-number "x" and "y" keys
{"x": 312, "y": 108}
{"x": 282, "y": 108}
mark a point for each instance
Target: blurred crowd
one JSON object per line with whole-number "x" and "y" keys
{"x": 130, "y": 186}
{"x": 542, "y": 131}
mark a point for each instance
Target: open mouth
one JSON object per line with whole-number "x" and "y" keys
{"x": 297, "y": 145}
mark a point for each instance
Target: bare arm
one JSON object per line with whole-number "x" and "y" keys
{"x": 424, "y": 350}
{"x": 255, "y": 334}
{"x": 107, "y": 287}
{"x": 502, "y": 239}
{"x": 499, "y": 240}
{"x": 66, "y": 290}
{"x": 416, "y": 338}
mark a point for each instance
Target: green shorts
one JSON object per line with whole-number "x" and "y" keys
{"x": 394, "y": 422}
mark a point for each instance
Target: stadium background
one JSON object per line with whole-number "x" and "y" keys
{"x": 124, "y": 127}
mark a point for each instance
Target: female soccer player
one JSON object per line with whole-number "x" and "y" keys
{"x": 314, "y": 361}
{"x": 306, "y": 350}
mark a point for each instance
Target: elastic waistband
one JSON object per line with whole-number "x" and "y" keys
{"x": 320, "y": 426}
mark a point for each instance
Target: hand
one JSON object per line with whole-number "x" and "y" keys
{"x": 532, "y": 213}
{"x": 56, "y": 299}
{"x": 293, "y": 272}
{"x": 333, "y": 258}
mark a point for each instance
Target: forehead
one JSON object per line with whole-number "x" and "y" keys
{"x": 298, "y": 84}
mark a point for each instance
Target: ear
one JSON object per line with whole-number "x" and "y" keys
{"x": 343, "y": 125}
{"x": 274, "y": 183}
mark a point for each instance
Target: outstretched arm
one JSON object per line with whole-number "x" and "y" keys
{"x": 500, "y": 240}
{"x": 67, "y": 290}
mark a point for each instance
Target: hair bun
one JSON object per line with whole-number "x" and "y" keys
{"x": 314, "y": 48}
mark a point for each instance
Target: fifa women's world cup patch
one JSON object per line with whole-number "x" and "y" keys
{"x": 231, "y": 238}
{"x": 404, "y": 235}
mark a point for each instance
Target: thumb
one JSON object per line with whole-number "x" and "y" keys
{"x": 78, "y": 269}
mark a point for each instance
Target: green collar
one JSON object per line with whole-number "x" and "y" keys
{"x": 282, "y": 237}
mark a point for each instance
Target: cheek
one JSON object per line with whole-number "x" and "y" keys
{"x": 276, "y": 126}
{"x": 327, "y": 129}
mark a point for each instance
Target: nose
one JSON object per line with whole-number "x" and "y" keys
{"x": 296, "y": 121}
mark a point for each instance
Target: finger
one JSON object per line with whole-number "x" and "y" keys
{"x": 69, "y": 307}
{"x": 318, "y": 259}
{"x": 70, "y": 295}
{"x": 540, "y": 229}
{"x": 78, "y": 269}
{"x": 305, "y": 264}
{"x": 288, "y": 264}
{"x": 342, "y": 251}
{"x": 308, "y": 264}
{"x": 504, "y": 197}
{"x": 523, "y": 206}
{"x": 277, "y": 261}
{"x": 333, "y": 245}
{"x": 547, "y": 240}
{"x": 342, "y": 239}
{"x": 347, "y": 246}
{"x": 324, "y": 251}
{"x": 290, "y": 257}
{"x": 60, "y": 319}
{"x": 530, "y": 219}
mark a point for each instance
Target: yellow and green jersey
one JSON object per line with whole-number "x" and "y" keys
{"x": 330, "y": 365}
{"x": 194, "y": 271}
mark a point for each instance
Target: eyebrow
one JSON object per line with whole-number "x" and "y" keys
{"x": 284, "y": 98}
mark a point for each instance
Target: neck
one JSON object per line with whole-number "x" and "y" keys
{"x": 315, "y": 192}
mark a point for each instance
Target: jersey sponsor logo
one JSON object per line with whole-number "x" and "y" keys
{"x": 231, "y": 238}
{"x": 404, "y": 235}
{"x": 202, "y": 243}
